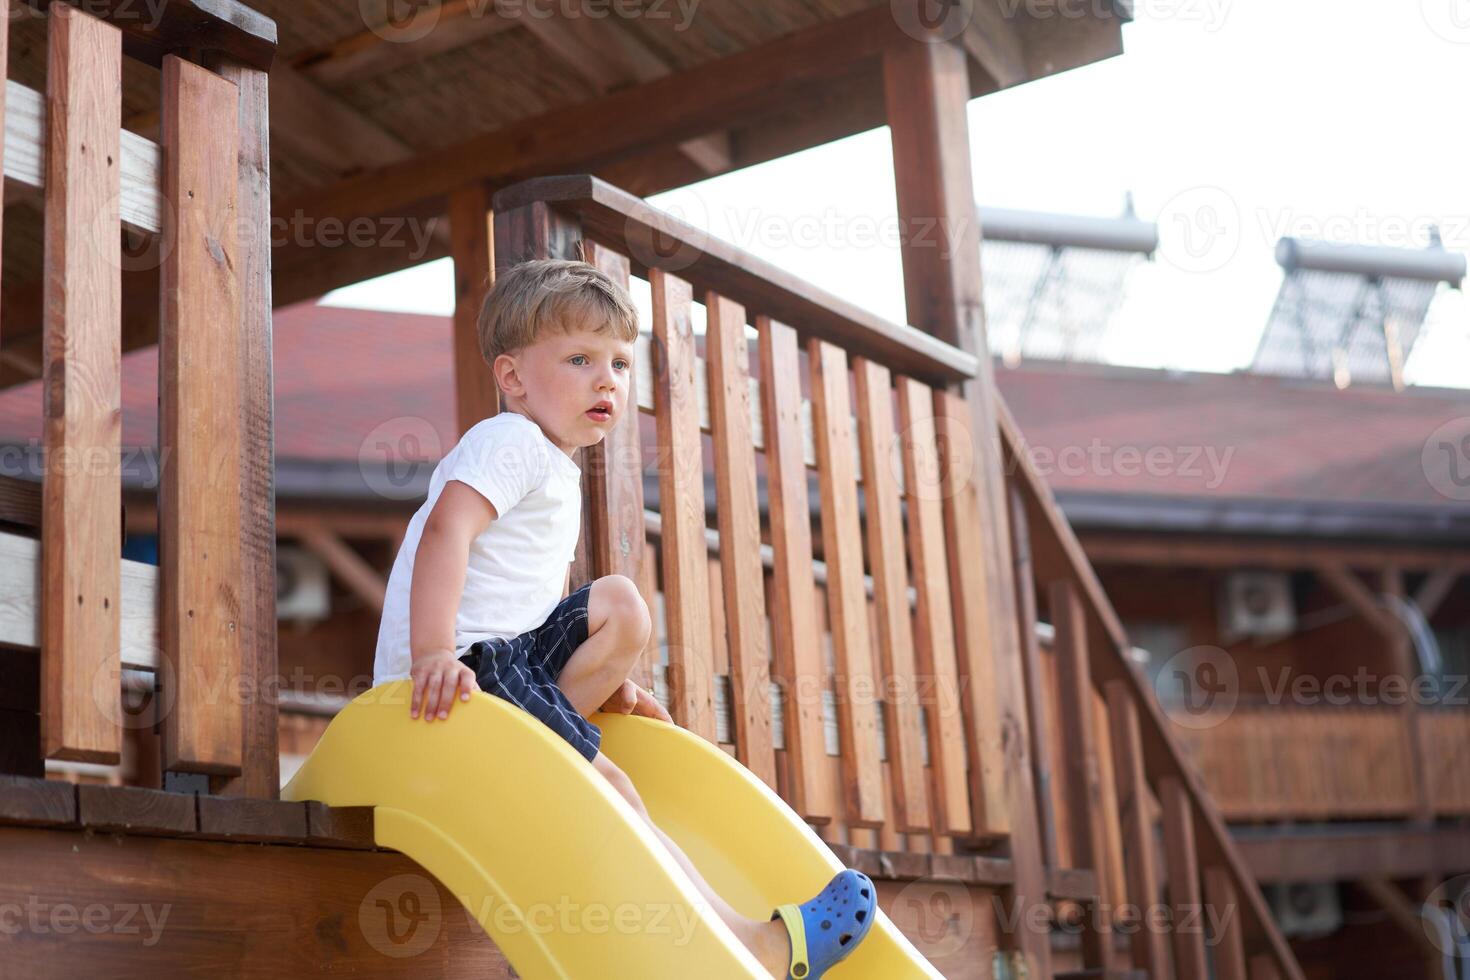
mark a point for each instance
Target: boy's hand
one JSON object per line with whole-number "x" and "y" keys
{"x": 436, "y": 678}
{"x": 632, "y": 699}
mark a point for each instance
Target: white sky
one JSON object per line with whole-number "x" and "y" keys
{"x": 1232, "y": 122}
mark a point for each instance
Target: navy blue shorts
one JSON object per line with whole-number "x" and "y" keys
{"x": 524, "y": 670}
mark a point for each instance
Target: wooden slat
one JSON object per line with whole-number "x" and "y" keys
{"x": 1182, "y": 863}
{"x": 681, "y": 493}
{"x": 934, "y": 618}
{"x": 1263, "y": 967}
{"x": 1149, "y": 950}
{"x": 612, "y": 472}
{"x": 1035, "y": 683}
{"x": 134, "y": 810}
{"x": 1079, "y": 750}
{"x": 80, "y": 628}
{"x": 200, "y": 429}
{"x": 885, "y": 541}
{"x": 796, "y": 645}
{"x": 470, "y": 243}
{"x": 857, "y": 715}
{"x": 37, "y": 802}
{"x": 1229, "y": 944}
{"x": 740, "y": 528}
{"x": 972, "y": 611}
{"x": 260, "y": 759}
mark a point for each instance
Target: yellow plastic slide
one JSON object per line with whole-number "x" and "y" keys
{"x": 557, "y": 867}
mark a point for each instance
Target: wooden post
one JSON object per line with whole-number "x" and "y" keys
{"x": 260, "y": 756}
{"x": 926, "y": 89}
{"x": 199, "y": 426}
{"x": 81, "y": 677}
{"x": 1182, "y": 867}
{"x": 1150, "y": 952}
{"x": 470, "y": 243}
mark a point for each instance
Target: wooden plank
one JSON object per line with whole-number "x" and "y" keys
{"x": 339, "y": 826}
{"x": 247, "y": 820}
{"x": 201, "y": 433}
{"x": 398, "y": 42}
{"x": 1182, "y": 866}
{"x": 1035, "y": 682}
{"x": 134, "y": 810}
{"x": 934, "y": 618}
{"x": 35, "y": 801}
{"x": 857, "y": 715}
{"x": 1149, "y": 950}
{"x": 795, "y": 642}
{"x": 80, "y": 630}
{"x": 260, "y": 757}
{"x": 471, "y": 235}
{"x": 227, "y": 26}
{"x": 1079, "y": 752}
{"x": 902, "y": 725}
{"x": 972, "y": 611}
{"x": 681, "y": 496}
{"x": 1229, "y": 943}
{"x": 739, "y": 518}
{"x": 926, "y": 91}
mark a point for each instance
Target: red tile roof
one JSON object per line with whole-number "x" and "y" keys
{"x": 347, "y": 380}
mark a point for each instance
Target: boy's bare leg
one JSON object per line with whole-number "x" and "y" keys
{"x": 766, "y": 940}
{"x": 617, "y": 629}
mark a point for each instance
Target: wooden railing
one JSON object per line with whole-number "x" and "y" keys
{"x": 923, "y": 770}
{"x": 1275, "y": 762}
{"x": 202, "y": 622}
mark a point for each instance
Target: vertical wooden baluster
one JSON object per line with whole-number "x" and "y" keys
{"x": 1263, "y": 967}
{"x": 1182, "y": 863}
{"x": 934, "y": 635}
{"x": 613, "y": 483}
{"x": 796, "y": 643}
{"x": 1225, "y": 908}
{"x": 1149, "y": 950}
{"x": 857, "y": 721}
{"x": 1084, "y": 784}
{"x": 738, "y": 510}
{"x": 895, "y": 642}
{"x": 81, "y": 679}
{"x": 260, "y": 761}
{"x": 200, "y": 430}
{"x": 681, "y": 502}
{"x": 471, "y": 235}
{"x": 975, "y": 654}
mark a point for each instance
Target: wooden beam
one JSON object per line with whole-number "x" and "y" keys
{"x": 926, "y": 90}
{"x": 310, "y": 123}
{"x": 993, "y": 40}
{"x": 225, "y": 27}
{"x": 471, "y": 233}
{"x": 1404, "y": 914}
{"x": 1433, "y": 589}
{"x": 1350, "y": 588}
{"x": 365, "y": 581}
{"x": 80, "y": 588}
{"x": 387, "y": 46}
{"x": 200, "y": 428}
{"x": 1200, "y": 551}
{"x": 260, "y": 756}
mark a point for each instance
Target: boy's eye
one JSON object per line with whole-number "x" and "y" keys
{"x": 623, "y": 362}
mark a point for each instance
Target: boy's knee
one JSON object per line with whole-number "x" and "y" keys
{"x": 622, "y": 604}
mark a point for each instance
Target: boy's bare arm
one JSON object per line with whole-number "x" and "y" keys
{"x": 439, "y": 566}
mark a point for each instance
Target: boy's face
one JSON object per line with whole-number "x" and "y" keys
{"x": 559, "y": 380}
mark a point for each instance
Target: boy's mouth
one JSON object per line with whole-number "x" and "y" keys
{"x": 600, "y": 412}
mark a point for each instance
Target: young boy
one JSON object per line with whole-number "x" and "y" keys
{"x": 474, "y": 597}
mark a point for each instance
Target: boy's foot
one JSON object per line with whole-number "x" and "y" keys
{"x": 825, "y": 930}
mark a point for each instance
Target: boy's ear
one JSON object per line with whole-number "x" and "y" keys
{"x": 507, "y": 375}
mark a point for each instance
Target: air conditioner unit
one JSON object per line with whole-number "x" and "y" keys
{"x": 303, "y": 589}
{"x": 1257, "y": 604}
{"x": 1305, "y": 908}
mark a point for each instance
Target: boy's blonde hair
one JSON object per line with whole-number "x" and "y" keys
{"x": 528, "y": 299}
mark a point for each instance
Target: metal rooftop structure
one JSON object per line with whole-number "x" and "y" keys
{"x": 1351, "y": 313}
{"x": 1053, "y": 281}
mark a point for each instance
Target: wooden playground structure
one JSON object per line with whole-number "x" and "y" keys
{"x": 933, "y": 599}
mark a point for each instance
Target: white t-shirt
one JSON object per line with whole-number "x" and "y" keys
{"x": 518, "y": 564}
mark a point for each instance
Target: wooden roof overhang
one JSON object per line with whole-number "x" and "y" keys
{"x": 374, "y": 123}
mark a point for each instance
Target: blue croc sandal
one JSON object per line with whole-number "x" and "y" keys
{"x": 827, "y": 928}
